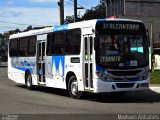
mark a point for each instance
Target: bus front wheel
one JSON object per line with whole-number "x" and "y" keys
{"x": 73, "y": 88}
{"x": 28, "y": 81}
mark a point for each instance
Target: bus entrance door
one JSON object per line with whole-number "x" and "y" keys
{"x": 88, "y": 41}
{"x": 41, "y": 62}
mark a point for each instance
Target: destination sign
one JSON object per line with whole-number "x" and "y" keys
{"x": 104, "y": 59}
{"x": 117, "y": 26}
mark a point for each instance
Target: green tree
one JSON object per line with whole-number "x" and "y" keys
{"x": 96, "y": 12}
{"x": 36, "y": 28}
{"x": 14, "y": 31}
{"x": 28, "y": 28}
{"x": 17, "y": 31}
{"x": 1, "y": 36}
{"x": 69, "y": 19}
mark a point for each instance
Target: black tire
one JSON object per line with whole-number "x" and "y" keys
{"x": 73, "y": 88}
{"x": 28, "y": 81}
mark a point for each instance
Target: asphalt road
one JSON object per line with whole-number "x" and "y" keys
{"x": 16, "y": 99}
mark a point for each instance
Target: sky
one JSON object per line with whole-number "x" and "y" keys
{"x": 18, "y": 14}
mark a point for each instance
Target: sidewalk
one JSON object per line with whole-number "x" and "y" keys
{"x": 155, "y": 87}
{"x": 3, "y": 64}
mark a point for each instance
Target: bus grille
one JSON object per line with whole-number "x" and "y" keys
{"x": 125, "y": 79}
{"x": 124, "y": 85}
{"x": 125, "y": 73}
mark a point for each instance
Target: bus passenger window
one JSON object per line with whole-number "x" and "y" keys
{"x": 73, "y": 41}
{"x": 23, "y": 46}
{"x": 32, "y": 46}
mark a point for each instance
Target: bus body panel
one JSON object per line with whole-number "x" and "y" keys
{"x": 57, "y": 68}
{"x": 18, "y": 67}
{"x": 73, "y": 64}
{"x": 55, "y": 72}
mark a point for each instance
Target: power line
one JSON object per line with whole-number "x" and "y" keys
{"x": 69, "y": 3}
{"x": 9, "y": 27}
{"x": 18, "y": 23}
{"x": 79, "y": 5}
{"x": 12, "y": 23}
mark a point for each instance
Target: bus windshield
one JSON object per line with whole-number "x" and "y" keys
{"x": 123, "y": 46}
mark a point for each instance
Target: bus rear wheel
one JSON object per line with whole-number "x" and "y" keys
{"x": 73, "y": 88}
{"x": 28, "y": 81}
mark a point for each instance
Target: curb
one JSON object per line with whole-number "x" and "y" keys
{"x": 155, "y": 89}
{"x": 3, "y": 66}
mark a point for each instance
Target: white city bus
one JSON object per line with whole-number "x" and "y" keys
{"x": 103, "y": 55}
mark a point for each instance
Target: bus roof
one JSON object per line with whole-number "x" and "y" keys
{"x": 82, "y": 24}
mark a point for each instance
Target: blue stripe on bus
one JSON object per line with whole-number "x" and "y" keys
{"x": 99, "y": 20}
{"x": 100, "y": 68}
{"x": 60, "y": 28}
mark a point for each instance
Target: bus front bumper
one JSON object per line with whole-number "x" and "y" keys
{"x": 104, "y": 86}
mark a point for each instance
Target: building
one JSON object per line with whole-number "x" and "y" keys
{"x": 4, "y": 46}
{"x": 149, "y": 12}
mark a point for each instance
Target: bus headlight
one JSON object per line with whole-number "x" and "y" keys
{"x": 145, "y": 75}
{"x": 104, "y": 77}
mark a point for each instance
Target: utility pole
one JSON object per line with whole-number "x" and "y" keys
{"x": 75, "y": 10}
{"x": 106, "y": 8}
{"x": 151, "y": 44}
{"x": 61, "y": 11}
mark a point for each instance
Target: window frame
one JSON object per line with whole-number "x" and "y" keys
{"x": 50, "y": 45}
{"x": 27, "y": 47}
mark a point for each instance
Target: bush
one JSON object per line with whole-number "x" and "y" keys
{"x": 155, "y": 77}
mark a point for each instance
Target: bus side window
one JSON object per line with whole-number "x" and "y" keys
{"x": 13, "y": 47}
{"x": 59, "y": 43}
{"x": 32, "y": 46}
{"x": 23, "y": 46}
{"x": 67, "y": 43}
{"x": 49, "y": 44}
{"x": 73, "y": 41}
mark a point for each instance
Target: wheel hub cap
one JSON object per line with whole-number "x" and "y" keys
{"x": 74, "y": 88}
